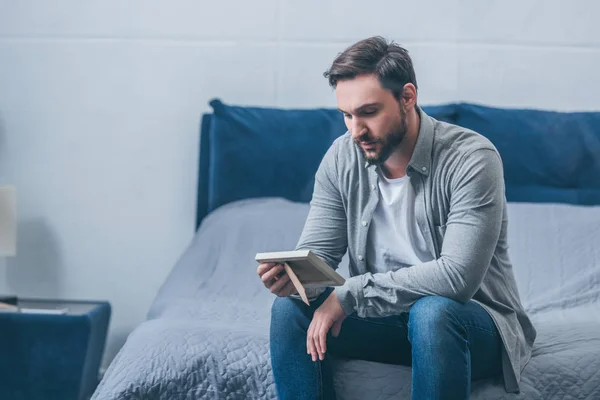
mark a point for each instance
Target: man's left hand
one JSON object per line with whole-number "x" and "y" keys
{"x": 328, "y": 316}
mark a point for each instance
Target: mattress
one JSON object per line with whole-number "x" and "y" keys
{"x": 207, "y": 331}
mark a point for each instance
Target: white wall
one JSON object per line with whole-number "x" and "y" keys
{"x": 100, "y": 103}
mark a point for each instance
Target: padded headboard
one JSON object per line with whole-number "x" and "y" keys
{"x": 249, "y": 152}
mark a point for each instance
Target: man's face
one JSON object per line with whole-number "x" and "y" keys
{"x": 373, "y": 116}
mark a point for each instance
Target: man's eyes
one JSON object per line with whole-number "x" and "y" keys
{"x": 366, "y": 113}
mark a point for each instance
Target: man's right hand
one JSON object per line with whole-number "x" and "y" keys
{"x": 275, "y": 279}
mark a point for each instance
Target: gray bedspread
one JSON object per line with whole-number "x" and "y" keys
{"x": 207, "y": 331}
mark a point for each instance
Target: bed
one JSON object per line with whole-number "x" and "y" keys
{"x": 206, "y": 336}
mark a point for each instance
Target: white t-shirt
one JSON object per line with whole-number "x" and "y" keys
{"x": 394, "y": 240}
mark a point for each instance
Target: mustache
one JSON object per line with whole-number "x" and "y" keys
{"x": 365, "y": 139}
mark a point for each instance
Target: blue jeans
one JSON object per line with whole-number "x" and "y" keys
{"x": 447, "y": 343}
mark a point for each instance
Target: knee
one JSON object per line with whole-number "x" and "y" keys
{"x": 287, "y": 317}
{"x": 432, "y": 317}
{"x": 283, "y": 308}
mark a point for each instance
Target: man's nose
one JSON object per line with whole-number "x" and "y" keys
{"x": 358, "y": 128}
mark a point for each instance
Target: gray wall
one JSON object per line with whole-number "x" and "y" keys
{"x": 100, "y": 103}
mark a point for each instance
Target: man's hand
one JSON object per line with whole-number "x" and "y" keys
{"x": 276, "y": 279}
{"x": 328, "y": 316}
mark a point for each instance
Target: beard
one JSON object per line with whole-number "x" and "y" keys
{"x": 386, "y": 145}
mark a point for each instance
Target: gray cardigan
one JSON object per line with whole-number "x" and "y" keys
{"x": 460, "y": 207}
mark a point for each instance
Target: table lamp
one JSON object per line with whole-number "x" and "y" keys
{"x": 8, "y": 228}
{"x": 8, "y": 221}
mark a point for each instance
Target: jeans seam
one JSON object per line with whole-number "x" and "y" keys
{"x": 378, "y": 323}
{"x": 320, "y": 379}
{"x": 493, "y": 332}
{"x": 466, "y": 326}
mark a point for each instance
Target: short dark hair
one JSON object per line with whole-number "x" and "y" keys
{"x": 387, "y": 60}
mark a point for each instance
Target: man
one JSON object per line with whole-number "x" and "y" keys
{"x": 420, "y": 207}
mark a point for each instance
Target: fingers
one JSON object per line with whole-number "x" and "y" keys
{"x": 280, "y": 285}
{"x": 275, "y": 279}
{"x": 288, "y": 290}
{"x": 316, "y": 339}
{"x": 264, "y": 267}
{"x": 322, "y": 337}
{"x": 316, "y": 342}
{"x": 269, "y": 277}
{"x": 324, "y": 319}
{"x": 310, "y": 346}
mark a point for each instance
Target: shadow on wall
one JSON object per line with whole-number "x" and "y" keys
{"x": 36, "y": 269}
{"x": 112, "y": 347}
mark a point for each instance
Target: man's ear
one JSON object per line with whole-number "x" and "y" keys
{"x": 409, "y": 96}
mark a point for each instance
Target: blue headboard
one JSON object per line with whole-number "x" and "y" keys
{"x": 249, "y": 152}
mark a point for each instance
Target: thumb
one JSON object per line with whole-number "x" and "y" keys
{"x": 335, "y": 329}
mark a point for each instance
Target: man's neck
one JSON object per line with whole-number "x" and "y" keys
{"x": 395, "y": 166}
